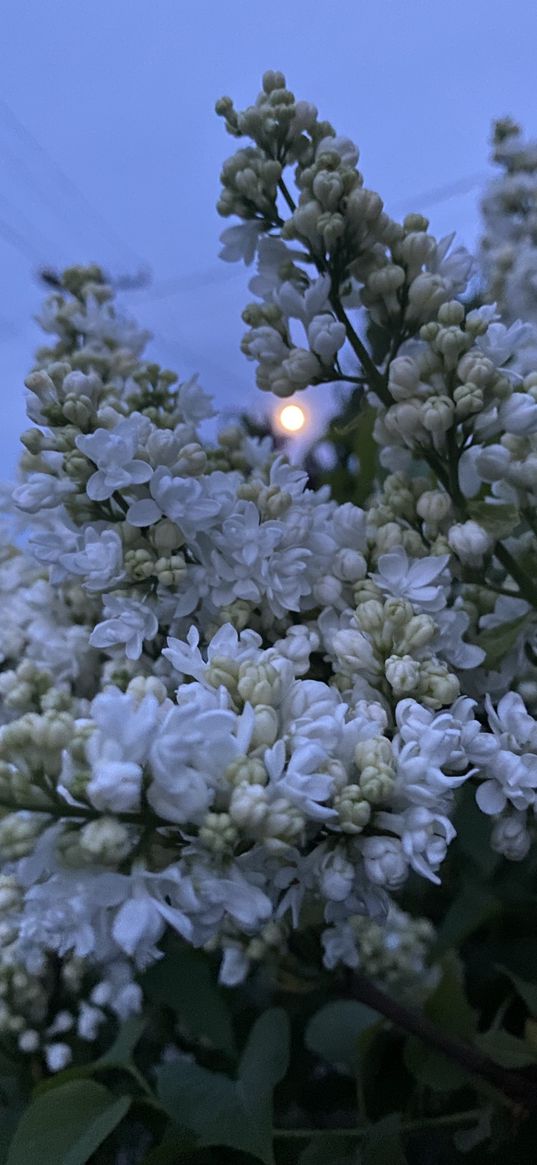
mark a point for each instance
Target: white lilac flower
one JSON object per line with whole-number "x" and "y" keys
{"x": 113, "y": 452}
{"x": 129, "y": 622}
{"x": 418, "y": 581}
{"x": 42, "y": 491}
{"x": 182, "y": 500}
{"x": 99, "y": 559}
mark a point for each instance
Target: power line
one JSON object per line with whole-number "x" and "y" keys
{"x": 196, "y": 280}
{"x": 19, "y": 242}
{"x": 193, "y": 281}
{"x": 438, "y": 194}
{"x": 31, "y": 233}
{"x": 64, "y": 181}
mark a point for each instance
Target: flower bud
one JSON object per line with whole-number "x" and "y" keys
{"x": 354, "y": 811}
{"x": 402, "y": 673}
{"x": 433, "y": 505}
{"x": 438, "y": 414}
{"x": 248, "y": 807}
{"x": 469, "y": 541}
{"x": 106, "y": 840}
{"x": 419, "y": 631}
{"x": 511, "y": 837}
{"x": 266, "y": 726}
{"x": 437, "y": 685}
{"x": 384, "y": 861}
{"x": 350, "y": 565}
{"x": 403, "y": 378}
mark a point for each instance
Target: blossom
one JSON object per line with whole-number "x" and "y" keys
{"x": 113, "y": 454}
{"x": 129, "y": 622}
{"x": 99, "y": 559}
{"x": 42, "y": 491}
{"x": 413, "y": 580}
{"x": 183, "y": 500}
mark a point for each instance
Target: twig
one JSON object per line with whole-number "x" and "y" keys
{"x": 516, "y": 1087}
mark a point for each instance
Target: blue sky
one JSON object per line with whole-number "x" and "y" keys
{"x": 120, "y": 94}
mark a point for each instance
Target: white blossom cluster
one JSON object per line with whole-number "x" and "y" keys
{"x": 230, "y": 704}
{"x": 454, "y": 386}
{"x": 393, "y": 953}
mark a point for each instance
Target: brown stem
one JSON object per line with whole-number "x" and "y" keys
{"x": 517, "y": 1088}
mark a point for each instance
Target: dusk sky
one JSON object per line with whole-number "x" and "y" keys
{"x": 111, "y": 150}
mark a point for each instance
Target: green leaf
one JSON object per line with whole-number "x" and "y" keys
{"x": 119, "y": 1055}
{"x": 431, "y": 1069}
{"x": 266, "y": 1055}
{"x": 473, "y": 838}
{"x": 330, "y": 1150}
{"x": 366, "y": 450}
{"x": 9, "y": 1119}
{"x": 334, "y": 1031}
{"x": 498, "y": 518}
{"x": 183, "y": 981}
{"x": 120, "y": 1052}
{"x": 222, "y": 1111}
{"x": 527, "y": 991}
{"x": 382, "y": 1144}
{"x": 175, "y": 1145}
{"x": 505, "y": 1049}
{"x": 466, "y": 913}
{"x": 448, "y": 1007}
{"x": 498, "y": 641}
{"x": 66, "y": 1126}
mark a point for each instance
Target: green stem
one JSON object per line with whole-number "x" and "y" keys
{"x": 375, "y": 378}
{"x": 84, "y": 812}
{"x": 451, "y": 1119}
{"x": 286, "y": 194}
{"x": 449, "y": 478}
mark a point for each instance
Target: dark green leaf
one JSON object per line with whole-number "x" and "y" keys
{"x": 499, "y": 518}
{"x": 175, "y": 1145}
{"x": 527, "y": 991}
{"x": 506, "y": 1049}
{"x": 334, "y": 1031}
{"x": 120, "y": 1052}
{"x": 431, "y": 1069}
{"x": 183, "y": 981}
{"x": 266, "y": 1055}
{"x": 382, "y": 1144}
{"x": 119, "y": 1055}
{"x": 366, "y": 450}
{"x": 466, "y": 913}
{"x": 473, "y": 836}
{"x": 330, "y": 1150}
{"x": 9, "y": 1119}
{"x": 222, "y": 1111}
{"x": 66, "y": 1126}
{"x": 498, "y": 641}
{"x": 448, "y": 1007}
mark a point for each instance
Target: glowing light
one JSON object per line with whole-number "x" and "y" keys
{"x": 292, "y": 418}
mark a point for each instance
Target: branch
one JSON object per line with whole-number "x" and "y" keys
{"x": 375, "y": 378}
{"x": 515, "y": 1087}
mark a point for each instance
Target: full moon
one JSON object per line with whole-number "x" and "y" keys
{"x": 292, "y": 418}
